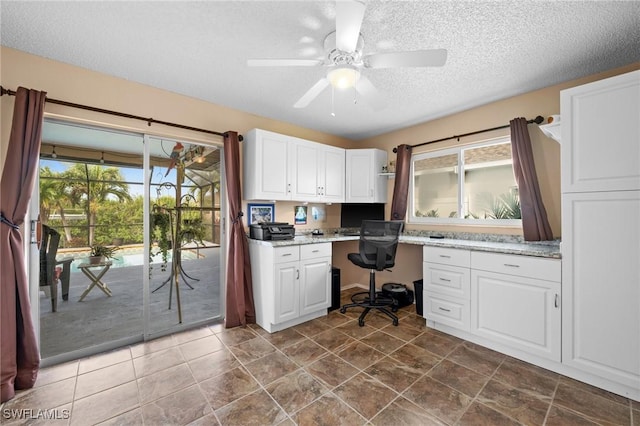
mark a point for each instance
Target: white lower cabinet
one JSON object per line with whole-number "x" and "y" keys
{"x": 291, "y": 284}
{"x": 515, "y": 305}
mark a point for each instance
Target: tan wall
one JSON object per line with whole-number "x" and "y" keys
{"x": 73, "y": 84}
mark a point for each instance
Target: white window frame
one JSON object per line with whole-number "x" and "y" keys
{"x": 412, "y": 218}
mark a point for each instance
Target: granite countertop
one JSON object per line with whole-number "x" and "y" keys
{"x": 550, "y": 249}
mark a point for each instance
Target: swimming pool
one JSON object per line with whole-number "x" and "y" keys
{"x": 124, "y": 257}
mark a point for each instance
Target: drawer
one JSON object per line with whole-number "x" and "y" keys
{"x": 446, "y": 256}
{"x": 286, "y": 254}
{"x": 444, "y": 279}
{"x": 312, "y": 251}
{"x": 448, "y": 310}
{"x": 523, "y": 266}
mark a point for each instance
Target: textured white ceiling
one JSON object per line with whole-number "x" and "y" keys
{"x": 495, "y": 49}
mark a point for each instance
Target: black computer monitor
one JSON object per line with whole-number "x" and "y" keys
{"x": 352, "y": 214}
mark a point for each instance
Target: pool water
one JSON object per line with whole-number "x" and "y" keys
{"x": 125, "y": 257}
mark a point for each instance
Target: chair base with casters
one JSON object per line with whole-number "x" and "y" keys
{"x": 372, "y": 299}
{"x": 377, "y": 250}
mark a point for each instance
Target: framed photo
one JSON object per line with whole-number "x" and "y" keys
{"x": 258, "y": 213}
{"x": 300, "y": 215}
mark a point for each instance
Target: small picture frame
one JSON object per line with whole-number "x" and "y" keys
{"x": 259, "y": 213}
{"x": 300, "y": 215}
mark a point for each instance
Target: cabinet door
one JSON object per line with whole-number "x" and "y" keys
{"x": 601, "y": 135}
{"x": 332, "y": 177}
{"x": 304, "y": 165}
{"x": 315, "y": 285}
{"x": 601, "y": 284}
{"x": 287, "y": 291}
{"x": 266, "y": 166}
{"x": 360, "y": 176}
{"x": 519, "y": 312}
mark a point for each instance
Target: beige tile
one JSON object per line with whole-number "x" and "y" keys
{"x": 352, "y": 329}
{"x": 165, "y": 382}
{"x": 328, "y": 410}
{"x": 414, "y": 321}
{"x": 104, "y": 360}
{"x": 376, "y": 395}
{"x": 234, "y": 336}
{"x": 56, "y": 373}
{"x": 331, "y": 370}
{"x": 636, "y": 417}
{"x": 512, "y": 402}
{"x": 478, "y": 414}
{"x": 360, "y": 355}
{"x": 189, "y": 335}
{"x": 584, "y": 387}
{"x": 334, "y": 319}
{"x": 296, "y": 390}
{"x": 333, "y": 340}
{"x": 284, "y": 338}
{"x": 458, "y": 377}
{"x": 157, "y": 361}
{"x": 105, "y": 405}
{"x": 212, "y": 365}
{"x": 151, "y": 346}
{"x": 208, "y": 420}
{"x": 228, "y": 387}
{"x": 311, "y": 328}
{"x": 255, "y": 409}
{"x": 98, "y": 380}
{"x": 527, "y": 377}
{"x": 305, "y": 352}
{"x": 252, "y": 349}
{"x": 383, "y": 342}
{"x": 404, "y": 412}
{"x": 416, "y": 357}
{"x": 43, "y": 397}
{"x": 179, "y": 408}
{"x": 477, "y": 358}
{"x": 439, "y": 400}
{"x": 271, "y": 367}
{"x": 130, "y": 418}
{"x": 591, "y": 403}
{"x": 437, "y": 343}
{"x": 196, "y": 348}
{"x": 397, "y": 375}
{"x": 405, "y": 331}
{"x": 559, "y": 416}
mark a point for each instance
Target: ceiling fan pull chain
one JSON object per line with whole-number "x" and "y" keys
{"x": 333, "y": 89}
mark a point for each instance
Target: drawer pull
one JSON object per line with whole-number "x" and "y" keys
{"x": 315, "y": 251}
{"x": 445, "y": 280}
{"x": 444, "y": 309}
{"x": 285, "y": 254}
{"x": 445, "y": 256}
{"x": 511, "y": 265}
{"x": 556, "y": 303}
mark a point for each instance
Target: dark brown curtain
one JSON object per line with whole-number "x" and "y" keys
{"x": 535, "y": 225}
{"x": 240, "y": 309}
{"x": 19, "y": 354}
{"x": 401, "y": 185}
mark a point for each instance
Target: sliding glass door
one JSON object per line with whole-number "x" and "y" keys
{"x": 151, "y": 208}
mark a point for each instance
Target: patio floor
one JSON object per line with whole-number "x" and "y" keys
{"x": 99, "y": 319}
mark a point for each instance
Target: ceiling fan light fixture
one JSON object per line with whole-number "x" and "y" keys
{"x": 343, "y": 77}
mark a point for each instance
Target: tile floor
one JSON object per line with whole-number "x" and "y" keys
{"x": 327, "y": 371}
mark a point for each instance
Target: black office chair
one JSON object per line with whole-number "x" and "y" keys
{"x": 378, "y": 244}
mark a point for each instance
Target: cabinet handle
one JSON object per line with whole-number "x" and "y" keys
{"x": 289, "y": 188}
{"x": 445, "y": 256}
{"x": 285, "y": 254}
{"x": 444, "y": 309}
{"x": 445, "y": 280}
{"x": 557, "y": 301}
{"x": 315, "y": 251}
{"x": 511, "y": 265}
{"x": 297, "y": 274}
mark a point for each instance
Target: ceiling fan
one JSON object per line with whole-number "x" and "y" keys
{"x": 344, "y": 58}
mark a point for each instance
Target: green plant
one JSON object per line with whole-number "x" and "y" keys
{"x": 99, "y": 250}
{"x": 161, "y": 232}
{"x": 192, "y": 230}
{"x": 504, "y": 206}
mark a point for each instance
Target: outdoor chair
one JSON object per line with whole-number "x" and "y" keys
{"x": 50, "y": 272}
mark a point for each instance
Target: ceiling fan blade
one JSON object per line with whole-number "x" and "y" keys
{"x": 370, "y": 94}
{"x": 416, "y": 58}
{"x": 312, "y": 93}
{"x": 283, "y": 62}
{"x": 349, "y": 15}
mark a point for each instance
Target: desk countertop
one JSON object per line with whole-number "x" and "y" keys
{"x": 550, "y": 249}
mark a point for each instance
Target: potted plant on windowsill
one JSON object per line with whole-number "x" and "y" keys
{"x": 100, "y": 253}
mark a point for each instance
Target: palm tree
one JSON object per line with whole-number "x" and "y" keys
{"x": 54, "y": 197}
{"x": 93, "y": 185}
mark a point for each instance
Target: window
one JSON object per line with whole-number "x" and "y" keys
{"x": 473, "y": 184}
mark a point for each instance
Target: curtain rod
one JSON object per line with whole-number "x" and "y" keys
{"x": 539, "y": 119}
{"x": 149, "y": 121}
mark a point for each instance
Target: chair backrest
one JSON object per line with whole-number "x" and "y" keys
{"x": 379, "y": 241}
{"x": 48, "y": 252}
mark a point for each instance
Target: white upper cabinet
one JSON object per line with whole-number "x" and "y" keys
{"x": 364, "y": 183}
{"x": 280, "y": 167}
{"x": 601, "y": 136}
{"x": 266, "y": 166}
